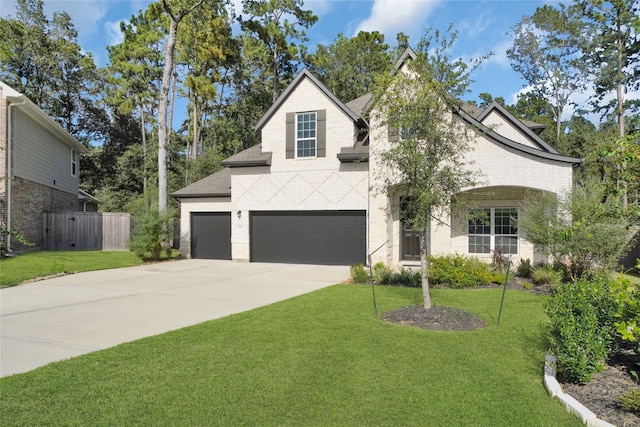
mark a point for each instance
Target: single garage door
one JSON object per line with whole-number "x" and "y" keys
{"x": 310, "y": 237}
{"x": 211, "y": 235}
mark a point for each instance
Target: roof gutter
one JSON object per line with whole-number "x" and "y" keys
{"x": 23, "y": 101}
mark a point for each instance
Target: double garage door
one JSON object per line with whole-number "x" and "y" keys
{"x": 302, "y": 237}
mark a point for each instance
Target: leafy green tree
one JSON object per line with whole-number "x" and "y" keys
{"x": 25, "y": 60}
{"x": 546, "y": 53}
{"x": 274, "y": 27}
{"x": 206, "y": 50}
{"x": 135, "y": 72}
{"x": 426, "y": 162}
{"x": 348, "y": 67}
{"x": 578, "y": 230}
{"x": 176, "y": 10}
{"x": 487, "y": 99}
{"x": 612, "y": 52}
{"x": 43, "y": 59}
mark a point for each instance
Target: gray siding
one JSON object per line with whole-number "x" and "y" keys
{"x": 40, "y": 157}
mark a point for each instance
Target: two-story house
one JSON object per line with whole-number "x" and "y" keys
{"x": 305, "y": 194}
{"x": 39, "y": 168}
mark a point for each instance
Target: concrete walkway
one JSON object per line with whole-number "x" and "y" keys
{"x": 64, "y": 317}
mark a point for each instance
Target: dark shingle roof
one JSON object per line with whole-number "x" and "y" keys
{"x": 215, "y": 185}
{"x": 252, "y": 156}
{"x": 359, "y": 105}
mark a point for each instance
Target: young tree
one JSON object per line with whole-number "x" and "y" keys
{"x": 577, "y": 230}
{"x": 425, "y": 160}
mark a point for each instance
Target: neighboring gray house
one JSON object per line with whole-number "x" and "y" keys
{"x": 39, "y": 167}
{"x": 304, "y": 194}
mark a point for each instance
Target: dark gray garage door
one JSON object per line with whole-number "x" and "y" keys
{"x": 211, "y": 235}
{"x": 316, "y": 237}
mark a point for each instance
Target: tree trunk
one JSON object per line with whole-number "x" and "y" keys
{"x": 424, "y": 265}
{"x": 144, "y": 151}
{"x": 162, "y": 115}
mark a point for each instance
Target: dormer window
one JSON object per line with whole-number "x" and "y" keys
{"x": 306, "y": 134}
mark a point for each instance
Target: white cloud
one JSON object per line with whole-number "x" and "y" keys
{"x": 113, "y": 33}
{"x": 474, "y": 28}
{"x": 392, "y": 16}
{"x": 500, "y": 54}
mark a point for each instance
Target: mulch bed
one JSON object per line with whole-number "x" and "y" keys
{"x": 602, "y": 394}
{"x": 436, "y": 318}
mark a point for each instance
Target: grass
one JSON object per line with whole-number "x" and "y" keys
{"x": 16, "y": 270}
{"x": 318, "y": 359}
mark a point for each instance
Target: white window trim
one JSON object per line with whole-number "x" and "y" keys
{"x": 297, "y": 140}
{"x": 492, "y": 234}
{"x": 74, "y": 163}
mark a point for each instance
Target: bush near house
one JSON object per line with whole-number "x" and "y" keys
{"x": 455, "y": 271}
{"x": 582, "y": 325}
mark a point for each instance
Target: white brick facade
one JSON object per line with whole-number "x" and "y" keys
{"x": 510, "y": 159}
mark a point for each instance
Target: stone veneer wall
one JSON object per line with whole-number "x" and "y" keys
{"x": 29, "y": 201}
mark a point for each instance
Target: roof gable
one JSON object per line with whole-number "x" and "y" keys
{"x": 305, "y": 74}
{"x": 550, "y": 154}
{"x": 20, "y": 101}
{"x": 516, "y": 123}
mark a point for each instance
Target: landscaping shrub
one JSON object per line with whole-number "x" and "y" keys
{"x": 581, "y": 331}
{"x": 152, "y": 234}
{"x": 628, "y": 316}
{"x": 382, "y": 275}
{"x": 359, "y": 274}
{"x": 545, "y": 274}
{"x": 459, "y": 271}
{"x": 407, "y": 277}
{"x": 631, "y": 400}
{"x": 524, "y": 269}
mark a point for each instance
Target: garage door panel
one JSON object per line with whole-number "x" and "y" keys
{"x": 319, "y": 237}
{"x": 211, "y": 235}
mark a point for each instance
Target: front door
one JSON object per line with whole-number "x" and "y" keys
{"x": 409, "y": 239}
{"x": 410, "y": 245}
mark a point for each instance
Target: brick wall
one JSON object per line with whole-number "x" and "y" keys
{"x": 28, "y": 202}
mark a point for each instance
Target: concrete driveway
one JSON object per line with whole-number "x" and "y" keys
{"x": 64, "y": 317}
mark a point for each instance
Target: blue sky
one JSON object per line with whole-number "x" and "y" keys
{"x": 483, "y": 27}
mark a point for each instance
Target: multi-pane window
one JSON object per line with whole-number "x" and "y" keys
{"x": 491, "y": 228}
{"x": 306, "y": 134}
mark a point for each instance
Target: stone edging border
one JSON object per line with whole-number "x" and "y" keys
{"x": 572, "y": 405}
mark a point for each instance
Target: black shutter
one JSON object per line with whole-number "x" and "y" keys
{"x": 321, "y": 142}
{"x": 291, "y": 136}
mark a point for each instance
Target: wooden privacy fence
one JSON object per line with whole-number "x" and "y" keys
{"x": 86, "y": 231}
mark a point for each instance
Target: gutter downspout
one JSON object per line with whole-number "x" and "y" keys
{"x": 10, "y": 167}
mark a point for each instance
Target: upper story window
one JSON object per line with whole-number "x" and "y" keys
{"x": 306, "y": 134}
{"x": 74, "y": 163}
{"x": 493, "y": 227}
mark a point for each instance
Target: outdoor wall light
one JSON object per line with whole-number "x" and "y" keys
{"x": 239, "y": 213}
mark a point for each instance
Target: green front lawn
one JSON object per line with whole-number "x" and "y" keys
{"x": 16, "y": 270}
{"x": 318, "y": 359}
